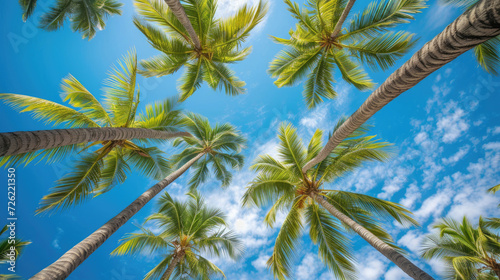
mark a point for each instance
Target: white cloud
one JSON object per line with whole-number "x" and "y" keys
{"x": 395, "y": 273}
{"x": 261, "y": 262}
{"x": 372, "y": 267}
{"x": 397, "y": 180}
{"x": 452, "y": 123}
{"x": 492, "y": 146}
{"x": 457, "y": 156}
{"x": 411, "y": 240}
{"x": 434, "y": 205}
{"x": 411, "y": 196}
{"x": 309, "y": 267}
{"x": 55, "y": 242}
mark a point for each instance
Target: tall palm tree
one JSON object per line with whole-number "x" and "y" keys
{"x": 316, "y": 45}
{"x": 487, "y": 53}
{"x": 209, "y": 148}
{"x": 189, "y": 231}
{"x": 280, "y": 182}
{"x": 86, "y": 16}
{"x": 96, "y": 172}
{"x": 220, "y": 42}
{"x": 469, "y": 252}
{"x": 5, "y": 251}
{"x": 477, "y": 25}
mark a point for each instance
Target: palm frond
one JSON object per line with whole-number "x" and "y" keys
{"x": 114, "y": 172}
{"x": 150, "y": 162}
{"x": 319, "y": 82}
{"x": 49, "y": 155}
{"x": 28, "y": 8}
{"x": 487, "y": 55}
{"x": 352, "y": 72}
{"x": 220, "y": 76}
{"x": 54, "y": 18}
{"x": 191, "y": 79}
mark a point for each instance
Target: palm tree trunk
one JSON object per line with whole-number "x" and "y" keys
{"x": 180, "y": 13}
{"x": 342, "y": 18}
{"x": 76, "y": 255}
{"x": 407, "y": 266}
{"x": 472, "y": 28}
{"x": 13, "y": 143}
{"x": 171, "y": 267}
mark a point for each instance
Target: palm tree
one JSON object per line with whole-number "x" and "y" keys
{"x": 469, "y": 252}
{"x": 220, "y": 43}
{"x": 281, "y": 182}
{"x": 486, "y": 53}
{"x": 456, "y": 39}
{"x": 188, "y": 231}
{"x": 209, "y": 148}
{"x": 86, "y": 16}
{"x": 97, "y": 172}
{"x": 5, "y": 251}
{"x": 316, "y": 45}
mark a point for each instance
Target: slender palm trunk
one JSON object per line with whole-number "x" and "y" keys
{"x": 13, "y": 143}
{"x": 175, "y": 261}
{"x": 76, "y": 255}
{"x": 180, "y": 13}
{"x": 472, "y": 28}
{"x": 342, "y": 18}
{"x": 407, "y": 266}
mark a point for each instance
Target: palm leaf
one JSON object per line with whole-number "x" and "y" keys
{"x": 487, "y": 55}
{"x": 352, "y": 72}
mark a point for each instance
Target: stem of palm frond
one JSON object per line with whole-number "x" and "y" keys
{"x": 180, "y": 13}
{"x": 475, "y": 26}
{"x": 339, "y": 24}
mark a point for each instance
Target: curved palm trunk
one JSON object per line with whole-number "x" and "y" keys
{"x": 76, "y": 255}
{"x": 180, "y": 13}
{"x": 13, "y": 143}
{"x": 472, "y": 28}
{"x": 407, "y": 266}
{"x": 171, "y": 267}
{"x": 342, "y": 18}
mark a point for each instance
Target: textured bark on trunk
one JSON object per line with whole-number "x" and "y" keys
{"x": 66, "y": 264}
{"x": 180, "y": 13}
{"x": 342, "y": 18}
{"x": 407, "y": 266}
{"x": 13, "y": 143}
{"x": 470, "y": 29}
{"x": 171, "y": 267}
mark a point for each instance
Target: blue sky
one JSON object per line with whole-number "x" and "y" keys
{"x": 446, "y": 131}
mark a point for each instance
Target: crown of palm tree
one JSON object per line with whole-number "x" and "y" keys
{"x": 97, "y": 172}
{"x": 487, "y": 53}
{"x": 188, "y": 229}
{"x": 221, "y": 146}
{"x": 280, "y": 182}
{"x": 469, "y": 252}
{"x": 312, "y": 51}
{"x": 86, "y": 16}
{"x": 220, "y": 41}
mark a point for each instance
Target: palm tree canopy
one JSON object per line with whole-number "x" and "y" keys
{"x": 312, "y": 52}
{"x": 98, "y": 171}
{"x": 469, "y": 252}
{"x": 487, "y": 53}
{"x": 220, "y": 144}
{"x": 280, "y": 182}
{"x": 190, "y": 228}
{"x": 86, "y": 16}
{"x": 221, "y": 43}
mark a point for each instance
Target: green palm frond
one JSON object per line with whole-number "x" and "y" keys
{"x": 28, "y": 8}
{"x": 220, "y": 76}
{"x": 334, "y": 246}
{"x": 352, "y": 72}
{"x": 121, "y": 97}
{"x": 319, "y": 82}
{"x": 86, "y": 16}
{"x": 494, "y": 189}
{"x": 298, "y": 68}
{"x": 114, "y": 172}
{"x": 487, "y": 55}
{"x": 151, "y": 162}
{"x": 188, "y": 226}
{"x": 79, "y": 97}
{"x": 164, "y": 116}
{"x": 377, "y": 18}
{"x": 76, "y": 186}
{"x": 382, "y": 51}
{"x": 163, "y": 65}
{"x": 49, "y": 155}
{"x": 47, "y": 111}
{"x": 291, "y": 148}
{"x": 267, "y": 188}
{"x": 191, "y": 79}
{"x": 286, "y": 243}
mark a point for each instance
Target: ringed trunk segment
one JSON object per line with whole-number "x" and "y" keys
{"x": 398, "y": 259}
{"x": 13, "y": 143}
{"x": 171, "y": 267}
{"x": 66, "y": 264}
{"x": 475, "y": 26}
{"x": 180, "y": 13}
